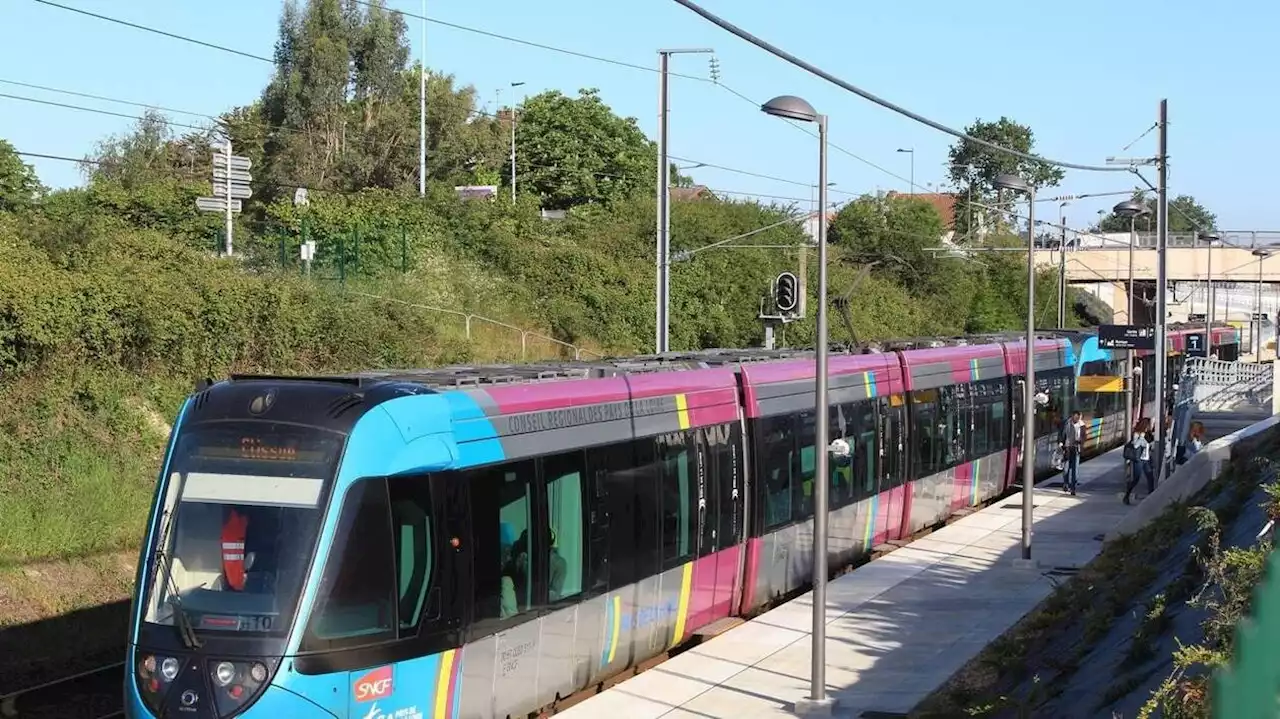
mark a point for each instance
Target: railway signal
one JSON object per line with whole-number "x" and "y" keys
{"x": 785, "y": 296}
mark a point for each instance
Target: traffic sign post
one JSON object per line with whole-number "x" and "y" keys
{"x": 231, "y": 180}
{"x": 1126, "y": 337}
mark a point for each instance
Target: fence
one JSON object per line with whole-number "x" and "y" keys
{"x": 470, "y": 317}
{"x": 1219, "y": 386}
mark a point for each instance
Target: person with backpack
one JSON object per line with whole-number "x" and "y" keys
{"x": 1137, "y": 452}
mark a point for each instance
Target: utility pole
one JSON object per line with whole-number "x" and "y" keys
{"x": 422, "y": 109}
{"x": 1062, "y": 267}
{"x": 663, "y": 331}
{"x": 1162, "y": 245}
{"x": 513, "y": 146}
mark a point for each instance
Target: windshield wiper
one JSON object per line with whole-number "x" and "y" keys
{"x": 182, "y": 621}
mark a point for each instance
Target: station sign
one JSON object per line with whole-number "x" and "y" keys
{"x": 1197, "y": 317}
{"x": 1196, "y": 346}
{"x": 1127, "y": 337}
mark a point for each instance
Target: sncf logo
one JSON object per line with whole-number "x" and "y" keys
{"x": 374, "y": 685}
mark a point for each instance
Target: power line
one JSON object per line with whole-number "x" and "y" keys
{"x": 267, "y": 130}
{"x": 803, "y": 128}
{"x": 743, "y": 34}
{"x": 477, "y": 31}
{"x": 530, "y": 43}
{"x": 144, "y": 28}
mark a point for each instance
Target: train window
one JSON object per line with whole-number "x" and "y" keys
{"x": 677, "y": 498}
{"x": 415, "y": 546}
{"x": 929, "y": 440}
{"x": 981, "y": 439}
{"x": 998, "y": 420}
{"x": 502, "y": 518}
{"x": 356, "y": 605}
{"x": 775, "y": 451}
{"x": 865, "y": 444}
{"x": 728, "y": 483}
{"x": 842, "y": 426}
{"x": 802, "y": 487}
{"x": 563, "y": 475}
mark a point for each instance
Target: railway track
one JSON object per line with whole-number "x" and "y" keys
{"x": 93, "y": 694}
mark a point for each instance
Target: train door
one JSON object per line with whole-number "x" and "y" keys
{"x": 891, "y": 520}
{"x": 1017, "y": 386}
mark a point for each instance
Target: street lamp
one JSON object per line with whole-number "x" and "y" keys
{"x": 1261, "y": 254}
{"x": 1017, "y": 184}
{"x": 790, "y": 107}
{"x": 911, "y": 151}
{"x": 1131, "y": 210}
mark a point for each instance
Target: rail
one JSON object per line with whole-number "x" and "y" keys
{"x": 1240, "y": 239}
{"x": 469, "y": 317}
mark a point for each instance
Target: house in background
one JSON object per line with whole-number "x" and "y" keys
{"x": 944, "y": 202}
{"x": 692, "y": 194}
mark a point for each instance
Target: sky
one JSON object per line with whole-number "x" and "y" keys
{"x": 1070, "y": 71}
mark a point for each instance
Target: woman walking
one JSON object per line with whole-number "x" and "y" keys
{"x": 1138, "y": 454}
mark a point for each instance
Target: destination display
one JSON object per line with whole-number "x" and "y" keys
{"x": 252, "y": 444}
{"x": 1127, "y": 337}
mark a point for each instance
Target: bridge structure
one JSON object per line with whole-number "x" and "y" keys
{"x": 1244, "y": 266}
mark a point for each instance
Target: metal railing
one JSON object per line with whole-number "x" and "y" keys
{"x": 1220, "y": 386}
{"x": 470, "y": 317}
{"x": 1238, "y": 239}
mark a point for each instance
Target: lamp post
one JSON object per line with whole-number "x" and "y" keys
{"x": 1017, "y": 184}
{"x": 1210, "y": 301}
{"x": 1257, "y": 320}
{"x": 790, "y": 107}
{"x": 1129, "y": 209}
{"x": 513, "y": 144}
{"x": 911, "y": 151}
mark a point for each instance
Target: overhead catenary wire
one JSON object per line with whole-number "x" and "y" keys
{"x": 173, "y": 123}
{"x": 486, "y": 33}
{"x": 815, "y": 70}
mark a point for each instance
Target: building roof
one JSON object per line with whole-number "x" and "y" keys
{"x": 943, "y": 202}
{"x": 695, "y": 192}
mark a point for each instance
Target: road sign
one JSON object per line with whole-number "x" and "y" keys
{"x": 238, "y": 162}
{"x": 1196, "y": 346}
{"x": 216, "y": 204}
{"x": 240, "y": 176}
{"x": 240, "y": 191}
{"x": 1127, "y": 337}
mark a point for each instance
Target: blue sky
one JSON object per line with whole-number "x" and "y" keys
{"x": 1086, "y": 87}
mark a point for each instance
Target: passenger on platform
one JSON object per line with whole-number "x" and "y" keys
{"x": 1072, "y": 438}
{"x": 1137, "y": 452}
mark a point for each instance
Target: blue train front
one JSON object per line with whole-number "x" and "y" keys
{"x": 226, "y": 621}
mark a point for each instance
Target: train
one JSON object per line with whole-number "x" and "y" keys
{"x": 484, "y": 541}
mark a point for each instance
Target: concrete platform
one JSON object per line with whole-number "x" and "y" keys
{"x": 898, "y": 627}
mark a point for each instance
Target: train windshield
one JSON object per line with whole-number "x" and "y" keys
{"x": 240, "y": 517}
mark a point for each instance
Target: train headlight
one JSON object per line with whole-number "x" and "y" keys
{"x": 224, "y": 673}
{"x": 236, "y": 683}
{"x": 154, "y": 675}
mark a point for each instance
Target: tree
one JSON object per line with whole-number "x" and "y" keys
{"x": 1185, "y": 215}
{"x": 575, "y": 151}
{"x": 974, "y": 167}
{"x": 20, "y": 188}
{"x": 894, "y": 231}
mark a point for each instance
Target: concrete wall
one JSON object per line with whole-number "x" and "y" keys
{"x": 1190, "y": 478}
{"x": 1183, "y": 263}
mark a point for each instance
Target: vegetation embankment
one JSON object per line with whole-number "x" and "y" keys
{"x": 1140, "y": 630}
